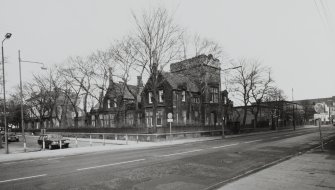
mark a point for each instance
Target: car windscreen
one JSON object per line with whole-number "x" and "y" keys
{"x": 54, "y": 136}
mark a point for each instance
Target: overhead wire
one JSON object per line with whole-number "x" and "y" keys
{"x": 320, "y": 12}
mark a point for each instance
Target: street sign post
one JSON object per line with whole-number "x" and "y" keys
{"x": 170, "y": 120}
{"x": 223, "y": 126}
{"x": 319, "y": 108}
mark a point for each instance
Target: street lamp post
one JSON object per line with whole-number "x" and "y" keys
{"x": 21, "y": 96}
{"x": 7, "y": 36}
{"x": 224, "y": 118}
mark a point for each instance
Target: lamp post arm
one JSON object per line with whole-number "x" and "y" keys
{"x": 231, "y": 68}
{"x": 40, "y": 63}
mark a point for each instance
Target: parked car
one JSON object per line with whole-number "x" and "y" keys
{"x": 12, "y": 137}
{"x": 52, "y": 141}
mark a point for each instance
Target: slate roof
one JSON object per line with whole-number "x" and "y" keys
{"x": 176, "y": 80}
{"x": 117, "y": 89}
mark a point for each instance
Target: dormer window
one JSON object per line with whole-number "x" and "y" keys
{"x": 183, "y": 96}
{"x": 161, "y": 93}
{"x": 150, "y": 97}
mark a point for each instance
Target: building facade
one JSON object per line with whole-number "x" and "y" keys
{"x": 191, "y": 92}
{"x": 310, "y": 116}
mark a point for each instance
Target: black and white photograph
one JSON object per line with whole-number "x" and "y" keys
{"x": 167, "y": 95}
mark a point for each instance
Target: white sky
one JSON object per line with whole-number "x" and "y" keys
{"x": 288, "y": 35}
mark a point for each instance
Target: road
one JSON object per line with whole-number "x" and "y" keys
{"x": 200, "y": 165}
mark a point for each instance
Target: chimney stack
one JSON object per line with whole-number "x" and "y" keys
{"x": 154, "y": 63}
{"x": 139, "y": 81}
{"x": 111, "y": 82}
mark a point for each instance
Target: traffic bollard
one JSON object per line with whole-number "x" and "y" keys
{"x": 103, "y": 138}
{"x": 90, "y": 140}
{"x": 60, "y": 144}
{"x": 43, "y": 144}
{"x": 76, "y": 142}
{"x": 126, "y": 138}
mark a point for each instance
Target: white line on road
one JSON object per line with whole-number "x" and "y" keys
{"x": 225, "y": 145}
{"x": 22, "y": 178}
{"x": 56, "y": 158}
{"x": 8, "y": 163}
{"x": 106, "y": 165}
{"x": 253, "y": 141}
{"x": 197, "y": 150}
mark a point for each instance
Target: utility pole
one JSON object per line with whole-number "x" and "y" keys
{"x": 321, "y": 139}
{"x": 21, "y": 96}
{"x": 7, "y": 36}
{"x": 293, "y": 118}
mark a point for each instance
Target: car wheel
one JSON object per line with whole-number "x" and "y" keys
{"x": 50, "y": 147}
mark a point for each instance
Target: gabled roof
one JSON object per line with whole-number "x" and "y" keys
{"x": 119, "y": 89}
{"x": 176, "y": 80}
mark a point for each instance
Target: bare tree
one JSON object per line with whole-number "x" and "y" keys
{"x": 125, "y": 57}
{"x": 251, "y": 82}
{"x": 39, "y": 101}
{"x": 195, "y": 45}
{"x": 262, "y": 82}
{"x": 155, "y": 43}
{"x": 103, "y": 68}
{"x": 76, "y": 86}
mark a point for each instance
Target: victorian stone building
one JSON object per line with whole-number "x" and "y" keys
{"x": 119, "y": 107}
{"x": 191, "y": 92}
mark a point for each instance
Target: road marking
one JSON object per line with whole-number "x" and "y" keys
{"x": 56, "y": 158}
{"x": 106, "y": 165}
{"x": 275, "y": 137}
{"x": 253, "y": 141}
{"x": 8, "y": 163}
{"x": 22, "y": 178}
{"x": 166, "y": 155}
{"x": 225, "y": 145}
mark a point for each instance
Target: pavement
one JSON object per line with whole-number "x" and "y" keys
{"x": 314, "y": 169}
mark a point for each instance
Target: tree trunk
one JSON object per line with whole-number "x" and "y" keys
{"x": 244, "y": 116}
{"x": 136, "y": 113}
{"x": 256, "y": 117}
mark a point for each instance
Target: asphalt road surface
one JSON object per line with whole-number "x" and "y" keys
{"x": 200, "y": 165}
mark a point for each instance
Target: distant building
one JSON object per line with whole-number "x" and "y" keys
{"x": 327, "y": 116}
{"x": 271, "y": 114}
{"x": 49, "y": 110}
